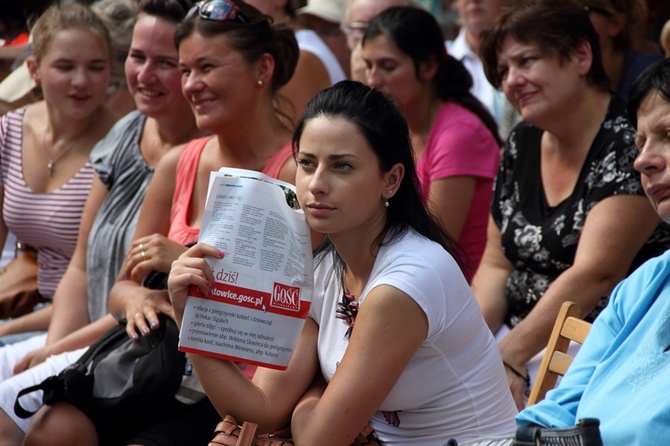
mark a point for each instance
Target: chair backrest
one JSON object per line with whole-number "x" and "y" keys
{"x": 568, "y": 327}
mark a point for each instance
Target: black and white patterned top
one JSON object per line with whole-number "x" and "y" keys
{"x": 541, "y": 240}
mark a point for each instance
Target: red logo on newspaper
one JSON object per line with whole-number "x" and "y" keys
{"x": 286, "y": 297}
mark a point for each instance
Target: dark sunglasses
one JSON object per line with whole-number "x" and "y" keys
{"x": 218, "y": 11}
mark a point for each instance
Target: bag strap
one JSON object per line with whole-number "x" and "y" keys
{"x": 527, "y": 436}
{"x": 19, "y": 410}
{"x": 247, "y": 434}
{"x": 229, "y": 433}
{"x": 591, "y": 431}
{"x": 52, "y": 382}
{"x": 366, "y": 437}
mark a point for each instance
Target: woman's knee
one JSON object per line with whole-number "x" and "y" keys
{"x": 61, "y": 425}
{"x": 10, "y": 433}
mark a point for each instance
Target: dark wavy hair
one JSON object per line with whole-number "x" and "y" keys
{"x": 382, "y": 124}
{"x": 172, "y": 11}
{"x": 416, "y": 33}
{"x": 557, "y": 28}
{"x": 654, "y": 79}
{"x": 252, "y": 39}
{"x": 634, "y": 14}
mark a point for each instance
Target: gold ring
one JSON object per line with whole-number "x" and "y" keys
{"x": 144, "y": 256}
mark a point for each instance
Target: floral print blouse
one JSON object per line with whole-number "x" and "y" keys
{"x": 541, "y": 240}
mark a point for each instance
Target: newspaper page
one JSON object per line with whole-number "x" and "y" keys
{"x": 263, "y": 289}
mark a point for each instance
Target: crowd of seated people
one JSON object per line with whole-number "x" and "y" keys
{"x": 124, "y": 162}
{"x": 619, "y": 373}
{"x": 569, "y": 218}
{"x": 468, "y": 241}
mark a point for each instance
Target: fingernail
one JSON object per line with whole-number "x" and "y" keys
{"x": 145, "y": 331}
{"x": 153, "y": 324}
{"x": 134, "y": 337}
{"x": 208, "y": 284}
{"x": 221, "y": 254}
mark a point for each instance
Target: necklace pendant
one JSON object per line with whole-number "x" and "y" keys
{"x": 50, "y": 166}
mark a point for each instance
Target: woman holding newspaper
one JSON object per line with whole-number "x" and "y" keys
{"x": 232, "y": 62}
{"x": 391, "y": 311}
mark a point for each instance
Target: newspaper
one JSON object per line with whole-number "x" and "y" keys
{"x": 263, "y": 289}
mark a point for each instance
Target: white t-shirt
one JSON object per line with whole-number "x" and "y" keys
{"x": 309, "y": 40}
{"x": 455, "y": 385}
{"x": 492, "y": 99}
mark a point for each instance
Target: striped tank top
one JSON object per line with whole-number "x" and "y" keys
{"x": 49, "y": 222}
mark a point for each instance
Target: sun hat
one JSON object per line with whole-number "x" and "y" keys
{"x": 329, "y": 10}
{"x": 16, "y": 85}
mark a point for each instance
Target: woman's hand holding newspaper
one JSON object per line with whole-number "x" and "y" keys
{"x": 191, "y": 268}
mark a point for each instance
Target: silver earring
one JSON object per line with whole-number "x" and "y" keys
{"x": 388, "y": 195}
{"x": 260, "y": 82}
{"x": 386, "y": 203}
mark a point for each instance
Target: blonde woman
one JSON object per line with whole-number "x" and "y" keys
{"x": 45, "y": 173}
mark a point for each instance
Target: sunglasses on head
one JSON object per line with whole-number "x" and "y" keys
{"x": 218, "y": 11}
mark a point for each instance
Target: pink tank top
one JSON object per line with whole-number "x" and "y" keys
{"x": 187, "y": 169}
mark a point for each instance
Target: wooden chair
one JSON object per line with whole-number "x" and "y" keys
{"x": 555, "y": 362}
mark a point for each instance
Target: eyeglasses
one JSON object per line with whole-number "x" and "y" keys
{"x": 355, "y": 32}
{"x": 218, "y": 11}
{"x": 357, "y": 28}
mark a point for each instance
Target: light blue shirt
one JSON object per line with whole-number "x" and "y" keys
{"x": 622, "y": 373}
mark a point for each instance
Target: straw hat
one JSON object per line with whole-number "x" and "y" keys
{"x": 16, "y": 85}
{"x": 329, "y": 10}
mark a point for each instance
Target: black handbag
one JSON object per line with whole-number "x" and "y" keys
{"x": 585, "y": 433}
{"x": 118, "y": 379}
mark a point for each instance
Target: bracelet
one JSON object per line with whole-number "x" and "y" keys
{"x": 526, "y": 378}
